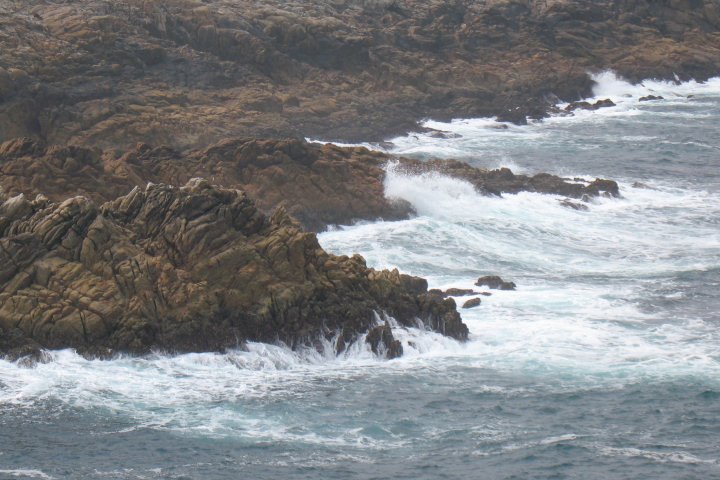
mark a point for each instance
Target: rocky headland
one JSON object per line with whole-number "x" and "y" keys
{"x": 195, "y": 268}
{"x": 204, "y": 267}
{"x": 319, "y": 185}
{"x": 189, "y": 73}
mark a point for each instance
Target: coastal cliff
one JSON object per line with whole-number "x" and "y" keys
{"x": 186, "y": 73}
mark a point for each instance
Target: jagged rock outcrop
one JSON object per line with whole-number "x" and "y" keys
{"x": 196, "y": 268}
{"x": 187, "y": 73}
{"x": 319, "y": 185}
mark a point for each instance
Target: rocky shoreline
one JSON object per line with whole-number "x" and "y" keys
{"x": 184, "y": 73}
{"x": 99, "y": 98}
{"x": 319, "y": 185}
{"x": 205, "y": 267}
{"x": 195, "y": 268}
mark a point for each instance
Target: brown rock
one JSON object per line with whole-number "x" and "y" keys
{"x": 589, "y": 106}
{"x": 382, "y": 342}
{"x": 188, "y": 74}
{"x": 494, "y": 282}
{"x": 195, "y": 268}
{"x": 472, "y": 303}
{"x": 319, "y": 185}
{"x": 649, "y": 98}
{"x": 459, "y": 292}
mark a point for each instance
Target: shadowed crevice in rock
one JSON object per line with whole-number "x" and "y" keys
{"x": 196, "y": 268}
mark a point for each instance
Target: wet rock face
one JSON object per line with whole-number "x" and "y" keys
{"x": 197, "y": 268}
{"x": 494, "y": 282}
{"x": 110, "y": 73}
{"x": 504, "y": 181}
{"x": 574, "y": 205}
{"x": 589, "y": 106}
{"x": 381, "y": 341}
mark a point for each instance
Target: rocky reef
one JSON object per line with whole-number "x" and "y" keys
{"x": 319, "y": 185}
{"x": 195, "y": 268}
{"x": 188, "y": 73}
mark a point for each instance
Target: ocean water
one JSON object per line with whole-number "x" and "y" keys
{"x": 604, "y": 363}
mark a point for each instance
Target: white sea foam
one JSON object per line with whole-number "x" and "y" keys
{"x": 609, "y": 85}
{"x": 557, "y": 321}
{"x": 25, "y": 473}
{"x": 660, "y": 457}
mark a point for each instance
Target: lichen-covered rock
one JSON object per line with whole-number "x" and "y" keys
{"x": 196, "y": 268}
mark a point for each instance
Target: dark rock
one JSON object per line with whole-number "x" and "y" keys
{"x": 589, "y": 106}
{"x": 15, "y": 346}
{"x": 603, "y": 186}
{"x": 494, "y": 282}
{"x": 574, "y": 205}
{"x": 443, "y": 135}
{"x": 459, "y": 292}
{"x": 382, "y": 342}
{"x": 649, "y": 98}
{"x": 473, "y": 302}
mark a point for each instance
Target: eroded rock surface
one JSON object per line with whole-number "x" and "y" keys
{"x": 197, "y": 268}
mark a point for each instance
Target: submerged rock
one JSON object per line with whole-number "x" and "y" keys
{"x": 649, "y": 98}
{"x": 494, "y": 282}
{"x": 574, "y": 205}
{"x": 196, "y": 268}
